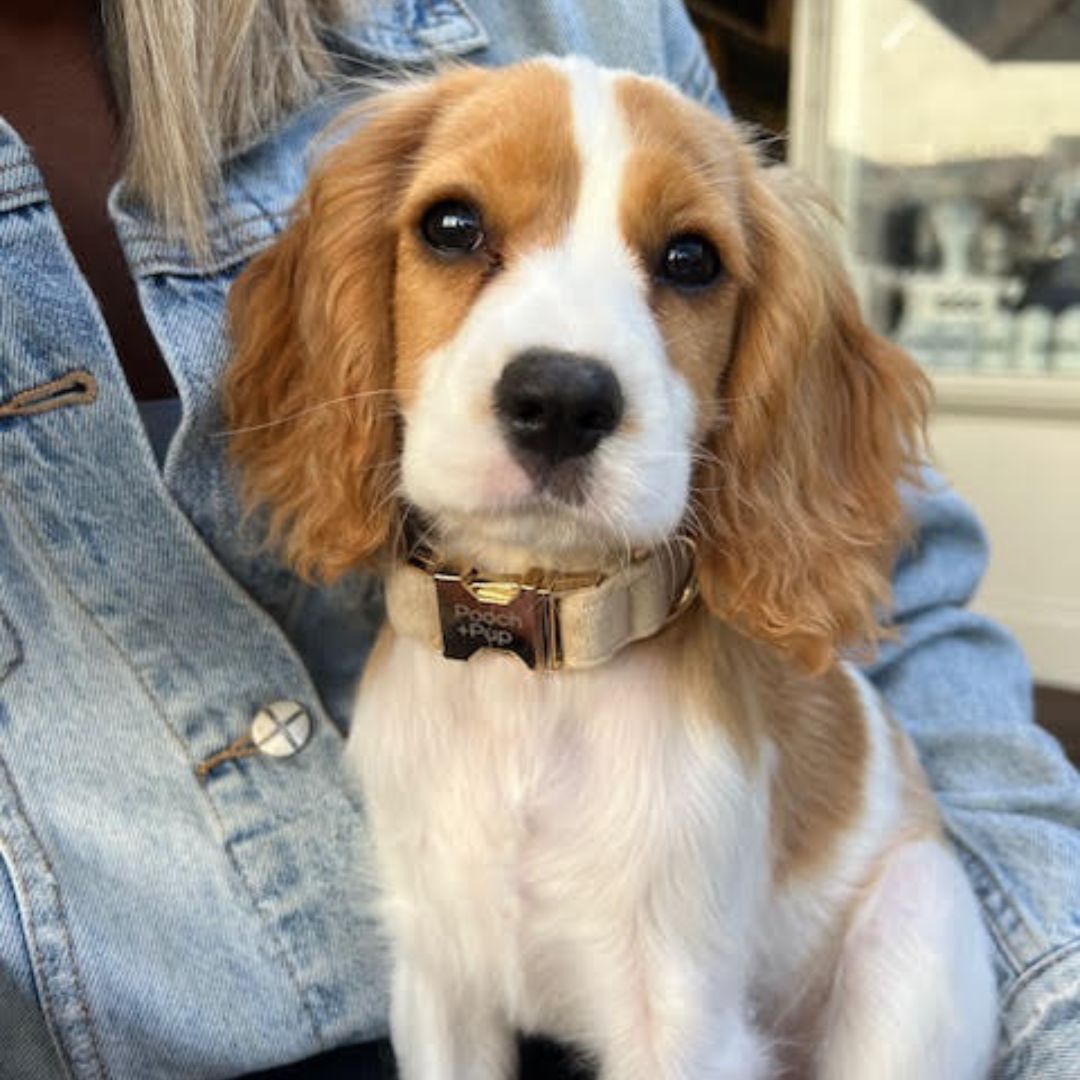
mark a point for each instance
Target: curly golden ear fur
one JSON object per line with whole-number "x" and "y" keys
{"x": 823, "y": 419}
{"x": 309, "y": 397}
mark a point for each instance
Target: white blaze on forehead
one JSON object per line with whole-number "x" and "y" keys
{"x": 603, "y": 144}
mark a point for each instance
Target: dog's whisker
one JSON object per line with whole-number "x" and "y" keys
{"x": 377, "y": 466}
{"x": 359, "y": 396}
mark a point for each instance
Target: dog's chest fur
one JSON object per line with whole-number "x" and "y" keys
{"x": 540, "y": 836}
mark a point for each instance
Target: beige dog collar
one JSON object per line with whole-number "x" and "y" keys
{"x": 550, "y": 622}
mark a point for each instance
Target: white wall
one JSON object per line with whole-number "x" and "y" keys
{"x": 1022, "y": 473}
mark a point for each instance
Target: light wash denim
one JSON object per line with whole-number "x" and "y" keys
{"x": 155, "y": 925}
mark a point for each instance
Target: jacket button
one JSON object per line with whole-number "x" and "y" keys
{"x": 281, "y": 729}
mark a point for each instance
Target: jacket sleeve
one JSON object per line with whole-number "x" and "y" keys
{"x": 952, "y": 674}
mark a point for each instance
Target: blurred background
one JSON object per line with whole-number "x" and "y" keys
{"x": 947, "y": 133}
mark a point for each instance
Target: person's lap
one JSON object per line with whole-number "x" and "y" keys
{"x": 540, "y": 1060}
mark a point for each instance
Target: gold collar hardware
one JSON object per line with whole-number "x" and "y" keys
{"x": 548, "y": 621}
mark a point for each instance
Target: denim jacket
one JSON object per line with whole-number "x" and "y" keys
{"x": 159, "y": 923}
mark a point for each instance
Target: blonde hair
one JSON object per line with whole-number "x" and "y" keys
{"x": 199, "y": 79}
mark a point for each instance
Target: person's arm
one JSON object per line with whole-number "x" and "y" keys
{"x": 961, "y": 687}
{"x": 948, "y": 662}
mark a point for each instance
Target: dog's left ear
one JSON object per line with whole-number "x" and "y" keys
{"x": 820, "y": 420}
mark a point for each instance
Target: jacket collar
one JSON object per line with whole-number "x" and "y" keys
{"x": 409, "y": 32}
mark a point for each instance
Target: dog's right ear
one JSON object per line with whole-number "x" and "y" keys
{"x": 309, "y": 397}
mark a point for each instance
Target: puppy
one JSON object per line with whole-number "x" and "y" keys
{"x": 551, "y": 349}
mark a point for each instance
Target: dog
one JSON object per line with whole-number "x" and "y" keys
{"x": 557, "y": 354}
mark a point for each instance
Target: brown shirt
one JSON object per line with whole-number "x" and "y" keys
{"x": 55, "y": 91}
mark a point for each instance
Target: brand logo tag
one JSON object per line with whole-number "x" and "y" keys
{"x": 470, "y": 624}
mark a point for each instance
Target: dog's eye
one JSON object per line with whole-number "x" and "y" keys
{"x": 452, "y": 227}
{"x": 689, "y": 261}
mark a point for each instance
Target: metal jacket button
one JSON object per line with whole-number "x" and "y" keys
{"x": 281, "y": 729}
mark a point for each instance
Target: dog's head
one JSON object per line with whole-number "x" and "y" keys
{"x": 565, "y": 313}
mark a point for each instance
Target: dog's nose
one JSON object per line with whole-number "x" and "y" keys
{"x": 555, "y": 406}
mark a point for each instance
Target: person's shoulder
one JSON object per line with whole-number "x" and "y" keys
{"x": 654, "y": 37}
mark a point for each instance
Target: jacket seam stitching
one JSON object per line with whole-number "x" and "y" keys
{"x": 172, "y": 262}
{"x": 282, "y": 952}
{"x": 997, "y": 933}
{"x": 1036, "y": 970}
{"x": 11, "y": 166}
{"x": 22, "y": 190}
{"x": 69, "y": 947}
{"x": 16, "y": 657}
{"x": 277, "y": 222}
{"x": 149, "y": 235}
